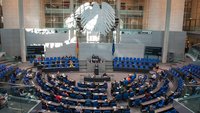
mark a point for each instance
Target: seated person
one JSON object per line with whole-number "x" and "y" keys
{"x": 104, "y": 75}
{"x": 71, "y": 64}
{"x": 22, "y": 93}
{"x": 58, "y": 98}
{"x": 79, "y": 96}
{"x": 78, "y": 108}
{"x": 2, "y": 101}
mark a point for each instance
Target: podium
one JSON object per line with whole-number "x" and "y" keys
{"x": 96, "y": 70}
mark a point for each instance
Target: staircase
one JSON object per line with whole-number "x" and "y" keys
{"x": 109, "y": 66}
{"x": 91, "y": 66}
{"x": 87, "y": 67}
{"x": 7, "y": 61}
{"x": 82, "y": 65}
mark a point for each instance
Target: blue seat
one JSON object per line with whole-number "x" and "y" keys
{"x": 51, "y": 108}
{"x": 96, "y": 97}
{"x": 127, "y": 111}
{"x": 87, "y": 111}
{"x": 95, "y": 103}
{"x": 113, "y": 104}
{"x": 118, "y": 97}
{"x": 125, "y": 95}
{"x": 97, "y": 111}
{"x": 105, "y": 104}
{"x": 103, "y": 97}
{"x": 59, "y": 109}
{"x": 67, "y": 111}
{"x": 106, "y": 111}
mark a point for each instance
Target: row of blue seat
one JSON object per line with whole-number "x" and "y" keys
{"x": 80, "y": 95}
{"x": 92, "y": 85}
{"x": 66, "y": 65}
{"x": 5, "y": 70}
{"x": 61, "y": 109}
{"x": 74, "y": 103}
{"x": 136, "y": 59}
{"x": 60, "y": 58}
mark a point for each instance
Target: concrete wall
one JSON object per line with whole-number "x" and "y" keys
{"x": 10, "y": 41}
{"x": 155, "y": 13}
{"x": 32, "y": 14}
{"x": 10, "y": 14}
{"x": 176, "y": 40}
{"x": 131, "y": 45}
{"x": 56, "y": 45}
{"x": 104, "y": 50}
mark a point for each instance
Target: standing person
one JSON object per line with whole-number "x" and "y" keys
{"x": 78, "y": 108}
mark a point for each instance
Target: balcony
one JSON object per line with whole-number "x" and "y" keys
{"x": 57, "y": 11}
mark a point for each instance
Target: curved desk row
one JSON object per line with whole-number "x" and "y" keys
{"x": 114, "y": 108}
{"x": 67, "y": 98}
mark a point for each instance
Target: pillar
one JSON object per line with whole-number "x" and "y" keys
{"x": 166, "y": 33}
{"x": 118, "y": 5}
{"x": 71, "y": 5}
{"x": 22, "y": 30}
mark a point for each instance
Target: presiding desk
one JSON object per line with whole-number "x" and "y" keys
{"x": 97, "y": 78}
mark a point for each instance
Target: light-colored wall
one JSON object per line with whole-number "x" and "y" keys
{"x": 131, "y": 45}
{"x": 176, "y": 40}
{"x": 10, "y": 41}
{"x": 10, "y": 14}
{"x": 104, "y": 50}
{"x": 56, "y": 46}
{"x": 177, "y": 14}
{"x": 31, "y": 14}
{"x": 155, "y": 13}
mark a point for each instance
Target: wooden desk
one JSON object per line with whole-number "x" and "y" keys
{"x": 83, "y": 93}
{"x": 163, "y": 109}
{"x": 160, "y": 84}
{"x": 86, "y": 108}
{"x": 67, "y": 98}
{"x": 137, "y": 97}
{"x": 152, "y": 101}
{"x": 76, "y": 92}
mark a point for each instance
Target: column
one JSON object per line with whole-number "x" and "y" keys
{"x": 22, "y": 30}
{"x": 71, "y": 5}
{"x": 118, "y": 5}
{"x": 166, "y": 33}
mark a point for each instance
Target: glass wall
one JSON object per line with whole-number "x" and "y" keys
{"x": 131, "y": 12}
{"x": 192, "y": 15}
{"x": 55, "y": 13}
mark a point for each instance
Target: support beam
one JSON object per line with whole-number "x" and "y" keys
{"x": 22, "y": 30}
{"x": 72, "y": 5}
{"x": 166, "y": 33}
{"x": 118, "y": 5}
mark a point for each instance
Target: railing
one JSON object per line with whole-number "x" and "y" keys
{"x": 18, "y": 102}
{"x": 194, "y": 53}
{"x": 189, "y": 100}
